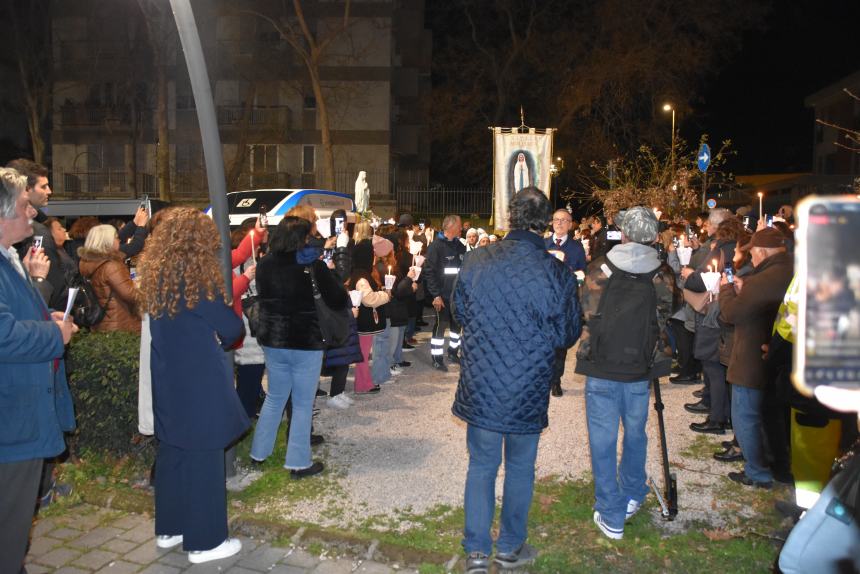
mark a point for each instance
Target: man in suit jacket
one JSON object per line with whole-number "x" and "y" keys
{"x": 53, "y": 289}
{"x": 35, "y": 405}
{"x": 574, "y": 258}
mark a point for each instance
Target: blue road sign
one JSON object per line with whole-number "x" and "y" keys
{"x": 704, "y": 158}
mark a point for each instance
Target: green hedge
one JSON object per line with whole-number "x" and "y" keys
{"x": 103, "y": 373}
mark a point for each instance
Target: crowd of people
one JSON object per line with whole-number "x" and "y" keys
{"x": 708, "y": 301}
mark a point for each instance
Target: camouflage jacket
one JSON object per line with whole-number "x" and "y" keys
{"x": 634, "y": 258}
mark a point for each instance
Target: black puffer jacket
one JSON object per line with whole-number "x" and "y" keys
{"x": 288, "y": 317}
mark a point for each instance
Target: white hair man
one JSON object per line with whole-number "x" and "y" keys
{"x": 36, "y": 404}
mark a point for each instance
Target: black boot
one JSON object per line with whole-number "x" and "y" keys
{"x": 556, "y": 389}
{"x": 454, "y": 356}
{"x": 439, "y": 364}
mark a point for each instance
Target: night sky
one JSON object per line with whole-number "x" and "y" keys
{"x": 757, "y": 98}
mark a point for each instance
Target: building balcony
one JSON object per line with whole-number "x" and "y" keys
{"x": 257, "y": 116}
{"x": 88, "y": 116}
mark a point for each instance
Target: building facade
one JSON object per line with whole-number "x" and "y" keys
{"x": 123, "y": 107}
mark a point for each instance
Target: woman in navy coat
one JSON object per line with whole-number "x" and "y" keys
{"x": 197, "y": 411}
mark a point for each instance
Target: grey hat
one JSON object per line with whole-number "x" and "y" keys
{"x": 639, "y": 224}
{"x": 405, "y": 221}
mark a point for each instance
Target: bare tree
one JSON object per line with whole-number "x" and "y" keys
{"x": 851, "y": 137}
{"x": 160, "y": 33}
{"x": 31, "y": 44}
{"x": 311, "y": 48}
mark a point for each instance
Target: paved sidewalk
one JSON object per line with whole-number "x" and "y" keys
{"x": 90, "y": 539}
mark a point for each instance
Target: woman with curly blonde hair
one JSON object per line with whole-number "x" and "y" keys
{"x": 197, "y": 411}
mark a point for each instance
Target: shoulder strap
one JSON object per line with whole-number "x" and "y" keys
{"x": 110, "y": 291}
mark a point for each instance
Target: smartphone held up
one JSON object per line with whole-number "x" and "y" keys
{"x": 827, "y": 264}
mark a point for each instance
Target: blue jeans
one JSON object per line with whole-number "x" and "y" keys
{"x": 485, "y": 456}
{"x": 746, "y": 420}
{"x": 381, "y": 364}
{"x": 607, "y": 403}
{"x": 290, "y": 372}
{"x": 395, "y": 344}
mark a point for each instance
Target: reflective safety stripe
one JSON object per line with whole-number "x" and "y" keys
{"x": 805, "y": 498}
{"x": 453, "y": 344}
{"x": 437, "y": 341}
{"x": 452, "y": 270}
{"x": 436, "y": 351}
{"x": 454, "y": 336}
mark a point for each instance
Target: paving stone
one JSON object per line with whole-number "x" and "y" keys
{"x": 70, "y": 570}
{"x": 96, "y": 537}
{"x": 142, "y": 532}
{"x": 86, "y": 522}
{"x": 371, "y": 567}
{"x": 42, "y": 545}
{"x": 119, "y": 546}
{"x": 65, "y": 533}
{"x": 301, "y": 558}
{"x": 44, "y": 526}
{"x": 263, "y": 557}
{"x": 58, "y": 557}
{"x": 333, "y": 567}
{"x": 145, "y": 553}
{"x": 95, "y": 559}
{"x": 176, "y": 558}
{"x": 160, "y": 569}
{"x": 128, "y": 521}
{"x": 118, "y": 567}
{"x": 283, "y": 569}
{"x": 38, "y": 569}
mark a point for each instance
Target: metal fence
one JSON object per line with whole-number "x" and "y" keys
{"x": 443, "y": 201}
{"x": 403, "y": 196}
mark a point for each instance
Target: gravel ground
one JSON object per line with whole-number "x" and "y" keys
{"x": 403, "y": 451}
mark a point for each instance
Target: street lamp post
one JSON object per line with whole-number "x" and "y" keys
{"x": 669, "y": 108}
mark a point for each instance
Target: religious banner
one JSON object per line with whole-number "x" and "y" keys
{"x": 520, "y": 158}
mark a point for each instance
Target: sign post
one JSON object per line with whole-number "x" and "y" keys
{"x": 703, "y": 161}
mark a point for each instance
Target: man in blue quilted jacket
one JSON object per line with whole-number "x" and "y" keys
{"x": 517, "y": 305}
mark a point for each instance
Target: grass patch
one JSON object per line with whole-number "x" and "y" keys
{"x": 703, "y": 447}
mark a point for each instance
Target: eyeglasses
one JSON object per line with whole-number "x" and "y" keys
{"x": 562, "y": 221}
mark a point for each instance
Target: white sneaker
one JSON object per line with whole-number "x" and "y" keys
{"x": 226, "y": 549}
{"x": 606, "y": 529}
{"x": 348, "y": 398}
{"x": 338, "y": 402}
{"x": 396, "y": 371}
{"x": 167, "y": 541}
{"x": 632, "y": 508}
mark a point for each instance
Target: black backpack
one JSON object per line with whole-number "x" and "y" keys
{"x": 624, "y": 331}
{"x": 87, "y": 312}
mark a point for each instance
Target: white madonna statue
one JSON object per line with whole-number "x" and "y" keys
{"x": 362, "y": 193}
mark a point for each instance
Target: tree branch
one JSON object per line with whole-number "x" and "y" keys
{"x": 838, "y": 127}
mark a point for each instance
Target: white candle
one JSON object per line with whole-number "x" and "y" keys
{"x": 760, "y": 196}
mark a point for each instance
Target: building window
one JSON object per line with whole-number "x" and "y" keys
{"x": 264, "y": 158}
{"x": 308, "y": 159}
{"x": 310, "y": 103}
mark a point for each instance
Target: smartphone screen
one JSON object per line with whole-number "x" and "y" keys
{"x": 37, "y": 242}
{"x": 769, "y": 220}
{"x": 264, "y": 216}
{"x": 338, "y": 225}
{"x": 613, "y": 236}
{"x": 827, "y": 351}
{"x": 730, "y": 275}
{"x": 747, "y": 221}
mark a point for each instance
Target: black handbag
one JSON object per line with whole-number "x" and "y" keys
{"x": 251, "y": 310}
{"x": 334, "y": 325}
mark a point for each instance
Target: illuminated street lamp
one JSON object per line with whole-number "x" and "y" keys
{"x": 667, "y": 107}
